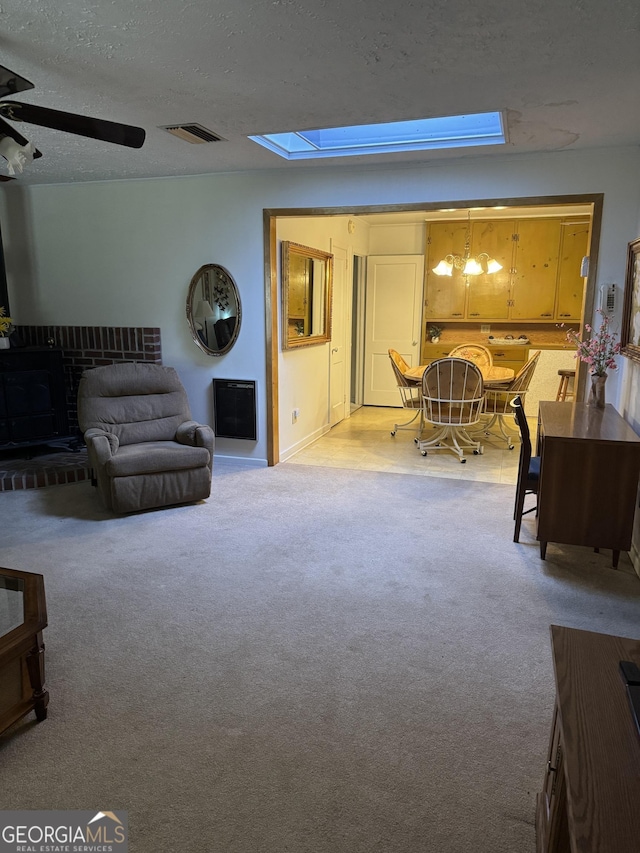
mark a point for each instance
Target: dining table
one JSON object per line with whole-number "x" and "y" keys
{"x": 493, "y": 376}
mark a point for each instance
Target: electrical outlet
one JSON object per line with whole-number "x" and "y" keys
{"x": 485, "y": 330}
{"x": 295, "y": 414}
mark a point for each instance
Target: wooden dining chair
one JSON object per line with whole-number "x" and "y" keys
{"x": 498, "y": 402}
{"x": 477, "y": 353}
{"x": 452, "y": 400}
{"x": 528, "y": 468}
{"x": 409, "y": 391}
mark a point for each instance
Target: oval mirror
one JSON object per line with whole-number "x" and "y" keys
{"x": 213, "y": 309}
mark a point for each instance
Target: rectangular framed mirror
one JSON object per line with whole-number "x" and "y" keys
{"x": 307, "y": 276}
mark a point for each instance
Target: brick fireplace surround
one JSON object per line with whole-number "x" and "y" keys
{"x": 83, "y": 347}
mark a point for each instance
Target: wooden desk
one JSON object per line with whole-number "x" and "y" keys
{"x": 590, "y": 463}
{"x": 591, "y": 790}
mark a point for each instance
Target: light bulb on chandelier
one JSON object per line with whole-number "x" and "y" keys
{"x": 467, "y": 265}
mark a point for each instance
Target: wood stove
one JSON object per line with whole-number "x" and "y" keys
{"x": 33, "y": 405}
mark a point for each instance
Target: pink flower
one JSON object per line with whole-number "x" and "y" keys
{"x": 599, "y": 349}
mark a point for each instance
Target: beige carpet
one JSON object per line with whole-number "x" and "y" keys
{"x": 312, "y": 661}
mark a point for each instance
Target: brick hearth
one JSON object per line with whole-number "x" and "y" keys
{"x": 44, "y": 469}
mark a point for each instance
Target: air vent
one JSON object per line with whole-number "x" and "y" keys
{"x": 195, "y": 133}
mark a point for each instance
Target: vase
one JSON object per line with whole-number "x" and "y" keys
{"x": 596, "y": 397}
{"x": 4, "y": 343}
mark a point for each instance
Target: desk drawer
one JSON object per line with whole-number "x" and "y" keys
{"x": 431, "y": 352}
{"x": 509, "y": 353}
{"x": 513, "y": 357}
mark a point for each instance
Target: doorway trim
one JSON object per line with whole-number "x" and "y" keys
{"x": 270, "y": 215}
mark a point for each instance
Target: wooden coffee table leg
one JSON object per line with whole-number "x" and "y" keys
{"x": 35, "y": 666}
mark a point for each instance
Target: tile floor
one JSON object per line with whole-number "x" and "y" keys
{"x": 364, "y": 442}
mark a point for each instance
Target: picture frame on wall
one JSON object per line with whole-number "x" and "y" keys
{"x": 630, "y": 334}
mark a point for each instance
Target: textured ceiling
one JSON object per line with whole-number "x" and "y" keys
{"x": 566, "y": 73}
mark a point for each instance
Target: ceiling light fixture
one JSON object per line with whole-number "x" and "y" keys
{"x": 16, "y": 155}
{"x": 467, "y": 265}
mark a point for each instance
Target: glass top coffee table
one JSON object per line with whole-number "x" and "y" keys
{"x": 23, "y": 617}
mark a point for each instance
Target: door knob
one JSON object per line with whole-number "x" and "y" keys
{"x": 335, "y": 349}
{"x": 414, "y": 344}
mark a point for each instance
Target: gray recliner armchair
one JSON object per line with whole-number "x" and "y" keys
{"x": 144, "y": 447}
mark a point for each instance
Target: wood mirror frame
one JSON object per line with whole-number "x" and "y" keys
{"x": 307, "y": 279}
{"x": 213, "y": 309}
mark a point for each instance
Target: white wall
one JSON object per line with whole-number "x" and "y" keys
{"x": 545, "y": 380}
{"x": 398, "y": 239}
{"x": 122, "y": 253}
{"x": 304, "y": 372}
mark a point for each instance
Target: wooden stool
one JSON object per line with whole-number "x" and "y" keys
{"x": 563, "y": 387}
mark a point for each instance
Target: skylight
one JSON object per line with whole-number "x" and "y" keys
{"x": 419, "y": 135}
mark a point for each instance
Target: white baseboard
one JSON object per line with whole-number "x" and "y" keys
{"x": 304, "y": 442}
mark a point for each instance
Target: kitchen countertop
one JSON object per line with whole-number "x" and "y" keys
{"x": 546, "y": 338}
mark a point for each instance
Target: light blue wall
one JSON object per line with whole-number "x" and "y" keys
{"x": 122, "y": 253}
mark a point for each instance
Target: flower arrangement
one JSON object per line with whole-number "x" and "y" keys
{"x": 435, "y": 332}
{"x": 600, "y": 349}
{"x": 5, "y": 322}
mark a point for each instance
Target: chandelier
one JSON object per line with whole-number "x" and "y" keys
{"x": 467, "y": 265}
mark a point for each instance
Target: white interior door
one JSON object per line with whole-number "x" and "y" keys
{"x": 340, "y": 322}
{"x": 393, "y": 317}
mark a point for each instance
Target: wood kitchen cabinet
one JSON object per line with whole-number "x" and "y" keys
{"x": 570, "y": 291}
{"x": 445, "y": 295}
{"x": 539, "y": 281}
{"x": 488, "y": 297}
{"x": 299, "y": 285}
{"x": 535, "y": 269}
{"x": 514, "y": 356}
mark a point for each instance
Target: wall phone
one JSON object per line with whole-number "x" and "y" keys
{"x": 608, "y": 298}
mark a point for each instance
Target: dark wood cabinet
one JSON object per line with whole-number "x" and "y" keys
{"x": 23, "y": 617}
{"x": 588, "y": 477}
{"x": 33, "y": 405}
{"x": 591, "y": 787}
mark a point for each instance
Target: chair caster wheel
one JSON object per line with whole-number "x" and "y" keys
{"x": 415, "y": 440}
{"x": 511, "y": 446}
{"x": 393, "y": 432}
{"x": 424, "y": 452}
{"x": 462, "y": 461}
{"x": 476, "y": 452}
